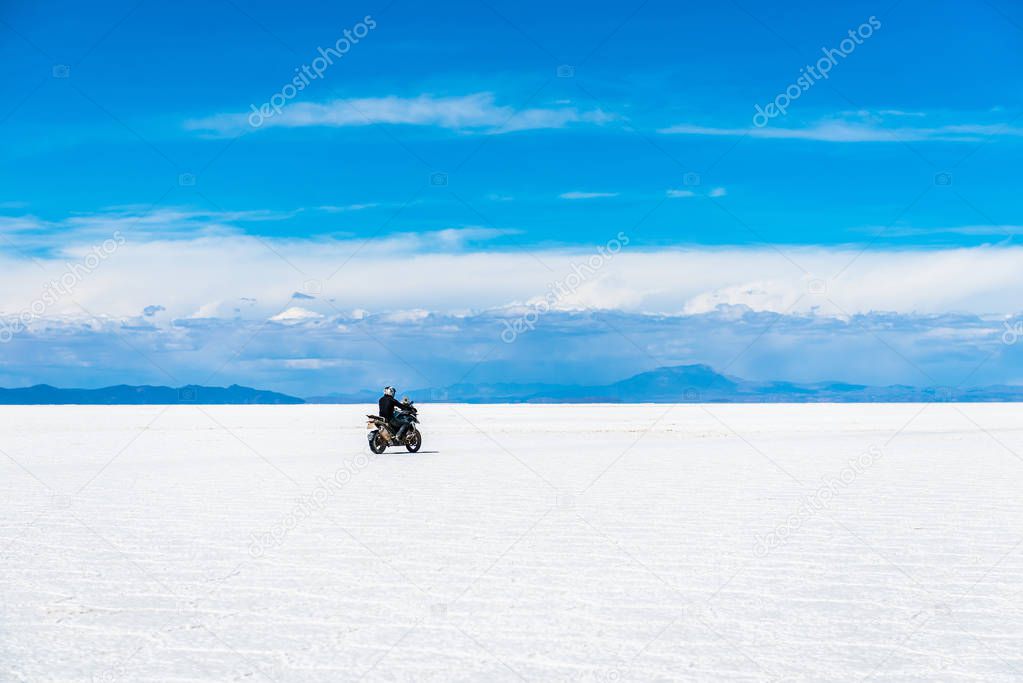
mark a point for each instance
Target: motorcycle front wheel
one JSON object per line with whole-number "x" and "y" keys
{"x": 377, "y": 443}
{"x": 413, "y": 440}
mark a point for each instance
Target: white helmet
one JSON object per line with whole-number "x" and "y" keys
{"x": 389, "y": 391}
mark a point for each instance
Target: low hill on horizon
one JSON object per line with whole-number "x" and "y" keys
{"x": 123, "y": 394}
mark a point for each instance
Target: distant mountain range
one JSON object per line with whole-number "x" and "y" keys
{"x": 677, "y": 384}
{"x": 691, "y": 384}
{"x": 122, "y": 394}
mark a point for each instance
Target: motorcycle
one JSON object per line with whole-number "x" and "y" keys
{"x": 381, "y": 435}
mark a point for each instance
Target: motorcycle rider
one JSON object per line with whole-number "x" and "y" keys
{"x": 387, "y": 405}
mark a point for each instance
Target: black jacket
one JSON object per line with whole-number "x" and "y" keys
{"x": 387, "y": 406}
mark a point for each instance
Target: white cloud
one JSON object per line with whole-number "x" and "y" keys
{"x": 897, "y": 112}
{"x": 75, "y": 235}
{"x": 457, "y": 238}
{"x": 842, "y": 130}
{"x": 346, "y": 208}
{"x": 406, "y": 316}
{"x": 1002, "y": 232}
{"x": 475, "y": 112}
{"x": 296, "y": 313}
{"x": 70, "y": 235}
{"x": 586, "y": 195}
{"x": 312, "y": 363}
{"x": 714, "y": 192}
{"x": 207, "y": 309}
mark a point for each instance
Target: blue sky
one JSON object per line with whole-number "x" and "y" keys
{"x": 452, "y": 135}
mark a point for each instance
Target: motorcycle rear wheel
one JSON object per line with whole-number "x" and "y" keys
{"x": 377, "y": 443}
{"x": 413, "y": 440}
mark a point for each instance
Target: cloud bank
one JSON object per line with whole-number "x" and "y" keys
{"x": 309, "y": 316}
{"x": 230, "y": 275}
